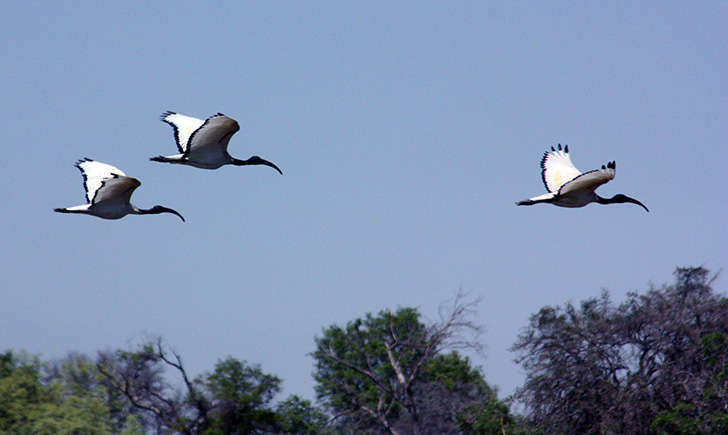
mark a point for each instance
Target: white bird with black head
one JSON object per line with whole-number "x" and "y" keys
{"x": 203, "y": 144}
{"x": 569, "y": 187}
{"x": 108, "y": 193}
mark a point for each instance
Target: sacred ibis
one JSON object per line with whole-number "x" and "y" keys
{"x": 569, "y": 187}
{"x": 203, "y": 144}
{"x": 108, "y": 191}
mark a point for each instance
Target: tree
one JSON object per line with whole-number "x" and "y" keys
{"x": 78, "y": 376}
{"x": 602, "y": 368}
{"x": 31, "y": 404}
{"x": 691, "y": 418}
{"x": 127, "y": 392}
{"x": 240, "y": 397}
{"x": 390, "y": 372}
{"x": 234, "y": 399}
{"x": 139, "y": 377}
{"x": 297, "y": 415}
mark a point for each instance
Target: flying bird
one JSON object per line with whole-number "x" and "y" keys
{"x": 203, "y": 144}
{"x": 108, "y": 192}
{"x": 569, "y": 187}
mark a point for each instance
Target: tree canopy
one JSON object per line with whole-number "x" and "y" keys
{"x": 391, "y": 372}
{"x": 655, "y": 362}
{"x": 30, "y": 404}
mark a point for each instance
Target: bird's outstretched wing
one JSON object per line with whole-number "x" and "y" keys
{"x": 557, "y": 169}
{"x": 589, "y": 181}
{"x": 118, "y": 187}
{"x": 215, "y": 132}
{"x": 94, "y": 174}
{"x": 184, "y": 126}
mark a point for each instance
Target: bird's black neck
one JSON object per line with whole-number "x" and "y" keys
{"x": 620, "y": 199}
{"x": 238, "y": 162}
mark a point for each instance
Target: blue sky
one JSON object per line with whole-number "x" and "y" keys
{"x": 406, "y": 131}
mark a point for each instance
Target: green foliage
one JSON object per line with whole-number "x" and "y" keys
{"x": 709, "y": 415}
{"x": 486, "y": 416}
{"x": 241, "y": 395}
{"x": 29, "y": 405}
{"x": 297, "y": 415}
{"x": 20, "y": 390}
{"x": 388, "y": 372}
{"x": 454, "y": 371}
{"x": 362, "y": 344}
{"x": 490, "y": 418}
{"x": 125, "y": 392}
{"x": 235, "y": 398}
{"x": 679, "y": 420}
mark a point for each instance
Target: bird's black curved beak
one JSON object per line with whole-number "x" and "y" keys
{"x": 271, "y": 164}
{"x": 255, "y": 160}
{"x": 161, "y": 209}
{"x": 626, "y": 198}
{"x": 634, "y": 201}
{"x": 175, "y": 212}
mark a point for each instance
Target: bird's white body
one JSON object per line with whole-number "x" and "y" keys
{"x": 199, "y": 160}
{"x": 575, "y": 200}
{"x": 569, "y": 187}
{"x": 109, "y": 209}
{"x": 108, "y": 192}
{"x": 203, "y": 144}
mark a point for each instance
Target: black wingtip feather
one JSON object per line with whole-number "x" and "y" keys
{"x": 79, "y": 161}
{"x": 166, "y": 114}
{"x": 163, "y": 118}
{"x": 543, "y": 159}
{"x": 83, "y": 174}
{"x": 566, "y": 149}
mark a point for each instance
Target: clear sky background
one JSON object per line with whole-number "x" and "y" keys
{"x": 406, "y": 132}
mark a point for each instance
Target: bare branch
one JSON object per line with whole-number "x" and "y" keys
{"x": 126, "y": 390}
{"x": 195, "y": 397}
{"x": 390, "y": 355}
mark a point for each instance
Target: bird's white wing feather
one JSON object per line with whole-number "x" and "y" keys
{"x": 589, "y": 181}
{"x": 118, "y": 187}
{"x": 214, "y": 133}
{"x": 557, "y": 169}
{"x": 184, "y": 126}
{"x": 94, "y": 173}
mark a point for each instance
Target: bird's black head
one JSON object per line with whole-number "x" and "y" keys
{"x": 157, "y": 209}
{"x": 255, "y": 160}
{"x": 619, "y": 198}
